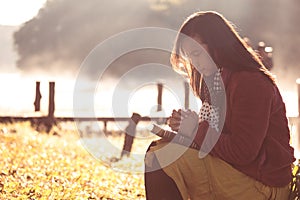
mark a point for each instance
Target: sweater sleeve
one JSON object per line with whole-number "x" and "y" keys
{"x": 250, "y": 107}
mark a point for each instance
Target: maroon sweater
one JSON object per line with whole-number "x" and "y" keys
{"x": 255, "y": 138}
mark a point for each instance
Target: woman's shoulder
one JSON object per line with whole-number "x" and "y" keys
{"x": 255, "y": 81}
{"x": 251, "y": 77}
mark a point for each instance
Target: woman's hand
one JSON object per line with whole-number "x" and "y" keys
{"x": 189, "y": 123}
{"x": 175, "y": 120}
{"x": 184, "y": 122}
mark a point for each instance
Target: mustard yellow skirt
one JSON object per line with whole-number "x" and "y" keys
{"x": 210, "y": 178}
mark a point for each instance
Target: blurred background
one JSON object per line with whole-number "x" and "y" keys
{"x": 48, "y": 40}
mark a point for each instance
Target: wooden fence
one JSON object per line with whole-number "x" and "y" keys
{"x": 50, "y": 119}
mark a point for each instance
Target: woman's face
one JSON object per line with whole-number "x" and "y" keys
{"x": 197, "y": 53}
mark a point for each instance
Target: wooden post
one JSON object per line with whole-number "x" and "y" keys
{"x": 186, "y": 95}
{"x": 38, "y": 96}
{"x": 51, "y": 107}
{"x": 49, "y": 120}
{"x": 105, "y": 126}
{"x": 159, "y": 96}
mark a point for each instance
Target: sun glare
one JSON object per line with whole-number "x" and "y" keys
{"x": 16, "y": 12}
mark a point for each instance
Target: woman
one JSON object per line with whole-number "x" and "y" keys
{"x": 242, "y": 129}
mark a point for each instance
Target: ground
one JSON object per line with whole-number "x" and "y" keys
{"x": 37, "y": 165}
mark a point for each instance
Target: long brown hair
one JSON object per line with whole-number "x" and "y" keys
{"x": 225, "y": 46}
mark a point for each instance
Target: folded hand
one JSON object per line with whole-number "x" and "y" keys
{"x": 184, "y": 122}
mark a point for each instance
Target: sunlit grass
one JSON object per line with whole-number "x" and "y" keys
{"x": 36, "y": 165}
{"x": 42, "y": 166}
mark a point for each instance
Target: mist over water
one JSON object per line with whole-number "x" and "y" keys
{"x": 65, "y": 31}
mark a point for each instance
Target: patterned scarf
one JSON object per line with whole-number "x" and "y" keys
{"x": 211, "y": 96}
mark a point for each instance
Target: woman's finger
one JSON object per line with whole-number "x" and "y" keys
{"x": 176, "y": 114}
